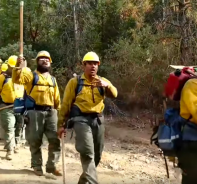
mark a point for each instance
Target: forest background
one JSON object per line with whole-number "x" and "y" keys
{"x": 136, "y": 40}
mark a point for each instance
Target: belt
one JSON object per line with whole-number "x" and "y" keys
{"x": 41, "y": 108}
{"x": 75, "y": 111}
{"x": 93, "y": 115}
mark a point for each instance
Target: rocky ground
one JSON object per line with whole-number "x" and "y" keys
{"x": 128, "y": 158}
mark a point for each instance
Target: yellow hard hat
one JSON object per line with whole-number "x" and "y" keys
{"x": 4, "y": 67}
{"x": 91, "y": 56}
{"x": 12, "y": 60}
{"x": 44, "y": 54}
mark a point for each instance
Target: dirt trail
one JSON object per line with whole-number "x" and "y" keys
{"x": 128, "y": 159}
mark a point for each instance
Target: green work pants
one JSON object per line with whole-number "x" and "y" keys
{"x": 40, "y": 123}
{"x": 89, "y": 143}
{"x": 19, "y": 128}
{"x": 187, "y": 157}
{"x": 12, "y": 125}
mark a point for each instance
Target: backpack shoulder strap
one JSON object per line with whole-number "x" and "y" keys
{"x": 79, "y": 85}
{"x": 35, "y": 80}
{"x": 6, "y": 79}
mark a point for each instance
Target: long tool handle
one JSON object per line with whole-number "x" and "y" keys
{"x": 166, "y": 163}
{"x": 18, "y": 87}
{"x": 6, "y": 107}
{"x": 164, "y": 105}
{"x": 63, "y": 161}
{"x": 21, "y": 29}
{"x": 24, "y": 64}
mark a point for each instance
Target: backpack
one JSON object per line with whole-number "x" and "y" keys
{"x": 22, "y": 104}
{"x": 80, "y": 83}
{"x": 176, "y": 81}
{"x": 168, "y": 135}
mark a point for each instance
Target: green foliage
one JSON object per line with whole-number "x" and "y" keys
{"x": 13, "y": 49}
{"x": 139, "y": 68}
{"x": 135, "y": 40}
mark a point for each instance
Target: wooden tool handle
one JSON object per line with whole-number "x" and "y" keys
{"x": 63, "y": 161}
{"x": 6, "y": 107}
{"x": 21, "y": 28}
{"x": 24, "y": 64}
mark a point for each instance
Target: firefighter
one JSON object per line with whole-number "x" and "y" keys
{"x": 188, "y": 151}
{"x": 83, "y": 105}
{"x": 42, "y": 115}
{"x": 11, "y": 123}
{"x": 1, "y": 63}
{"x": 4, "y": 68}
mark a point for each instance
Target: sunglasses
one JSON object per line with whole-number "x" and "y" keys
{"x": 44, "y": 59}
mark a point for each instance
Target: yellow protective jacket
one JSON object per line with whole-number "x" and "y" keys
{"x": 7, "y": 91}
{"x": 188, "y": 101}
{"x": 45, "y": 94}
{"x": 84, "y": 100}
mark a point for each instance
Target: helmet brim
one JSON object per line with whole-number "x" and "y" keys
{"x": 90, "y": 61}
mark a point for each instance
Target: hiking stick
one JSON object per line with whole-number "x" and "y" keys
{"x": 6, "y": 107}
{"x": 166, "y": 163}
{"x": 63, "y": 155}
{"x": 164, "y": 105}
{"x": 23, "y": 64}
{"x": 21, "y": 29}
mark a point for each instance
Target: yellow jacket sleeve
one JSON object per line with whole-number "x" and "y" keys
{"x": 22, "y": 76}
{"x": 69, "y": 97}
{"x": 57, "y": 102}
{"x": 110, "y": 91}
{"x": 188, "y": 101}
{"x": 2, "y": 78}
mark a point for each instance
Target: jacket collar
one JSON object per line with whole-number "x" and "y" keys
{"x": 83, "y": 77}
